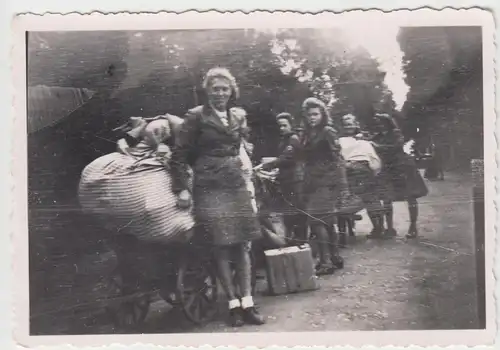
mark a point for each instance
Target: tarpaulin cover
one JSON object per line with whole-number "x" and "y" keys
{"x": 48, "y": 105}
{"x": 134, "y": 197}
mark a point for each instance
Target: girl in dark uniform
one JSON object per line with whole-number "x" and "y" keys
{"x": 325, "y": 182}
{"x": 290, "y": 179}
{"x": 400, "y": 179}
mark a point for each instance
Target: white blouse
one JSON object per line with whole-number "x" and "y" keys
{"x": 360, "y": 150}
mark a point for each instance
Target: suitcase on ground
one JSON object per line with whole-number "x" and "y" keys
{"x": 290, "y": 270}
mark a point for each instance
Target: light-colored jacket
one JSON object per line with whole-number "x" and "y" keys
{"x": 360, "y": 150}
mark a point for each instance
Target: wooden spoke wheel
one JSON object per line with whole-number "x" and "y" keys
{"x": 168, "y": 291}
{"x": 197, "y": 289}
{"x": 128, "y": 310}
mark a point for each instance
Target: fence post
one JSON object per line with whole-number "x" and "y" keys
{"x": 479, "y": 218}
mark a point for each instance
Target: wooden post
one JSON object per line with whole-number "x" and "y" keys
{"x": 479, "y": 218}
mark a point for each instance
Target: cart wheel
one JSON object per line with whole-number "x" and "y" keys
{"x": 171, "y": 298}
{"x": 129, "y": 310}
{"x": 197, "y": 290}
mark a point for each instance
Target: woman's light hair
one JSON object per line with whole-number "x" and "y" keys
{"x": 313, "y": 102}
{"x": 221, "y": 73}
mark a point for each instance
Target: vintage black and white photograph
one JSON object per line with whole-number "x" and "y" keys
{"x": 289, "y": 178}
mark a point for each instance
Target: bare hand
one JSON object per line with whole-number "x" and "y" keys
{"x": 184, "y": 199}
{"x": 122, "y": 146}
{"x": 258, "y": 167}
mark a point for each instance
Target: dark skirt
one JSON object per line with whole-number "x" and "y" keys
{"x": 291, "y": 197}
{"x": 402, "y": 181}
{"x": 223, "y": 208}
{"x": 321, "y": 202}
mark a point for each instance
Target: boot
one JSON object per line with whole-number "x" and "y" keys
{"x": 236, "y": 317}
{"x": 252, "y": 316}
{"x": 338, "y": 262}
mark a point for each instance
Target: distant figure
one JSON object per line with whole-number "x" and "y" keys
{"x": 434, "y": 168}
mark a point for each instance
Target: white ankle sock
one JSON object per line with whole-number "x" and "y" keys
{"x": 233, "y": 304}
{"x": 247, "y": 302}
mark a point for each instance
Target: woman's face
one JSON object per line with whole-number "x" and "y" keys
{"x": 219, "y": 92}
{"x": 284, "y": 125}
{"x": 313, "y": 116}
{"x": 349, "y": 125}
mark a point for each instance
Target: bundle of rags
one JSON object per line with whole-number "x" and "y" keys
{"x": 130, "y": 190}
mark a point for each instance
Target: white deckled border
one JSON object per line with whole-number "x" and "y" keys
{"x": 213, "y": 20}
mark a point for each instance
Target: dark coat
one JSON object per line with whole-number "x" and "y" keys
{"x": 322, "y": 158}
{"x": 288, "y": 161}
{"x": 324, "y": 171}
{"x": 399, "y": 178}
{"x": 221, "y": 200}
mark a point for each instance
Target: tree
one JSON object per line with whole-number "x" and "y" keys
{"x": 348, "y": 79}
{"x": 92, "y": 60}
{"x": 443, "y": 68}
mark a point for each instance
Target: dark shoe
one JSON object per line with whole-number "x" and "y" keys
{"x": 338, "y": 262}
{"x": 375, "y": 234}
{"x": 236, "y": 317}
{"x": 412, "y": 233}
{"x": 390, "y": 233}
{"x": 252, "y": 316}
{"x": 325, "y": 269}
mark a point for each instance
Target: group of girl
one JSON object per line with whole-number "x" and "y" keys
{"x": 318, "y": 169}
{"x": 321, "y": 167}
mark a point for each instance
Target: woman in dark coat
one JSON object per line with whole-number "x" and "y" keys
{"x": 290, "y": 179}
{"x": 400, "y": 179}
{"x": 325, "y": 182}
{"x": 209, "y": 141}
{"x": 434, "y": 168}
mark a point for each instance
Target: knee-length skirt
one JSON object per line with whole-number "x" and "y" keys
{"x": 401, "y": 181}
{"x": 223, "y": 203}
{"x": 321, "y": 203}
